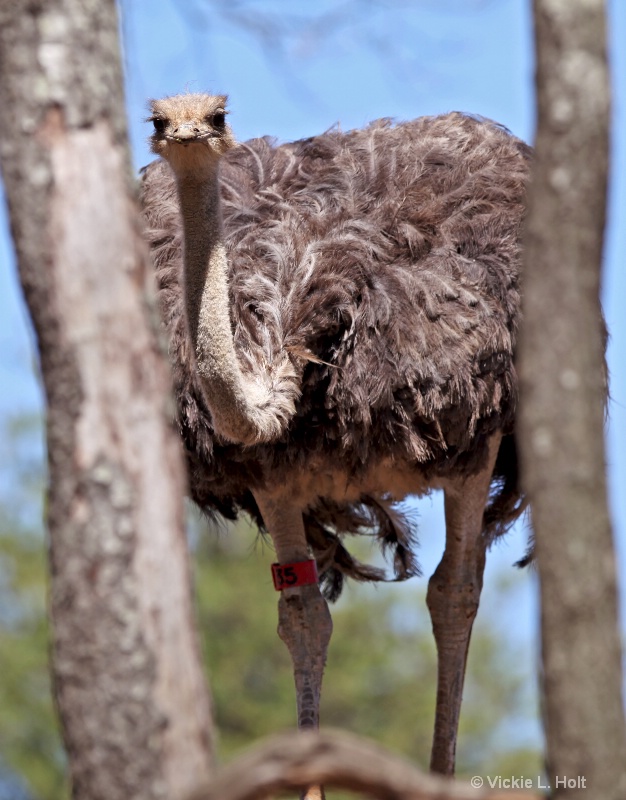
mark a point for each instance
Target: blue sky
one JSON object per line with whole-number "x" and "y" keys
{"x": 349, "y": 63}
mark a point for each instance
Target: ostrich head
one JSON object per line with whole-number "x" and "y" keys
{"x": 190, "y": 131}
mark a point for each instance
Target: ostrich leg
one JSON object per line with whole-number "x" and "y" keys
{"x": 453, "y": 597}
{"x": 304, "y": 622}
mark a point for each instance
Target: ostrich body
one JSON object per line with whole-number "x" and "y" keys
{"x": 342, "y": 314}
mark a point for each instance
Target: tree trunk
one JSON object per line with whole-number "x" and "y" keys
{"x": 562, "y": 405}
{"x": 134, "y": 707}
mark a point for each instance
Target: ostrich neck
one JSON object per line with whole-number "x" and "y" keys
{"x": 236, "y": 402}
{"x": 206, "y": 267}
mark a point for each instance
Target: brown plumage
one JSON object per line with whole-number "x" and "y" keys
{"x": 374, "y": 282}
{"x": 386, "y": 260}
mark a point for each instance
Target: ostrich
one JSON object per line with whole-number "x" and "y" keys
{"x": 342, "y": 314}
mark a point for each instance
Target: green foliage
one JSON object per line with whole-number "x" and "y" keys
{"x": 381, "y": 672}
{"x": 380, "y": 677}
{"x": 29, "y": 740}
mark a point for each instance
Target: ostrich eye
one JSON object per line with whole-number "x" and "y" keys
{"x": 219, "y": 120}
{"x": 159, "y": 124}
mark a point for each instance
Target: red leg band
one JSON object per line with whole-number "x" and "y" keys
{"x": 300, "y": 573}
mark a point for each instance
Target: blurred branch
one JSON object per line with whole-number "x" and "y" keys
{"x": 292, "y": 761}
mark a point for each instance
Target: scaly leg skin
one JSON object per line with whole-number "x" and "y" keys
{"x": 304, "y": 622}
{"x": 453, "y": 597}
{"x": 305, "y": 626}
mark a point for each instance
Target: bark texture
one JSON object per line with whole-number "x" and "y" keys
{"x": 134, "y": 708}
{"x": 563, "y": 400}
